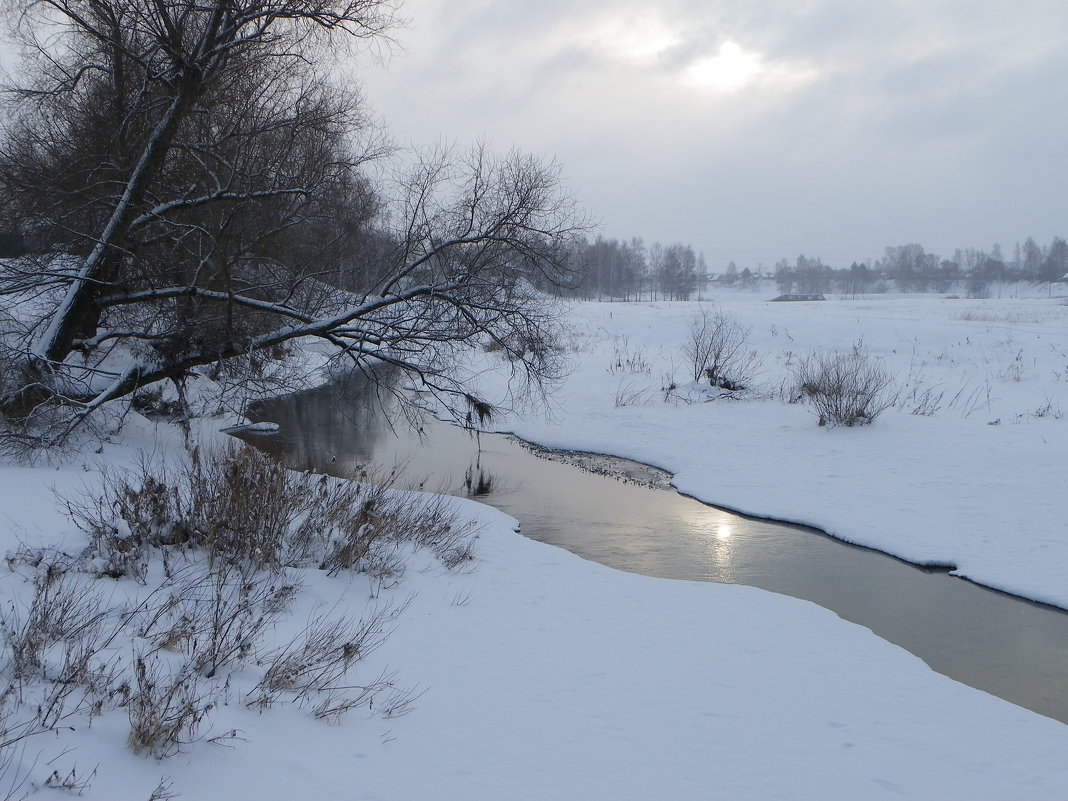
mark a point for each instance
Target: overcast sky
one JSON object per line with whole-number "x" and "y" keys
{"x": 758, "y": 129}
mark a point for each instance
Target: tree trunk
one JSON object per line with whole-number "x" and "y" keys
{"x": 75, "y": 316}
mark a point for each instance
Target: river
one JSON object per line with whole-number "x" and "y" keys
{"x": 631, "y": 520}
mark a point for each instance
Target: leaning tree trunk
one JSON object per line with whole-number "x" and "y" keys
{"x": 78, "y": 314}
{"x": 74, "y": 316}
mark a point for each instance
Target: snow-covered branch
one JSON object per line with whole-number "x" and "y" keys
{"x": 201, "y": 185}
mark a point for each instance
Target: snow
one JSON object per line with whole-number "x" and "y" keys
{"x": 980, "y": 485}
{"x": 263, "y": 427}
{"x": 546, "y": 676}
{"x": 568, "y": 680}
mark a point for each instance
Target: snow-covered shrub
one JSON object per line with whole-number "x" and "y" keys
{"x": 218, "y": 547}
{"x": 717, "y": 349}
{"x": 848, "y": 389}
{"x": 166, "y": 708}
{"x": 239, "y": 505}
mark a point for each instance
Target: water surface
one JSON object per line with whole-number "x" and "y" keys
{"x": 1002, "y": 644}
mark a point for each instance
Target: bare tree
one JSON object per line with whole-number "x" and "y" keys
{"x": 191, "y": 183}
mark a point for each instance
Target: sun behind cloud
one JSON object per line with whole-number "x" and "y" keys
{"x": 733, "y": 68}
{"x": 729, "y": 70}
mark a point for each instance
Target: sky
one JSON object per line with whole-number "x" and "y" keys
{"x": 758, "y": 129}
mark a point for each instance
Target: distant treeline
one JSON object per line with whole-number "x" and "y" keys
{"x": 630, "y": 270}
{"x": 610, "y": 268}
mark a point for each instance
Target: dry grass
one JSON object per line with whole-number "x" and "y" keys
{"x": 848, "y": 389}
{"x": 166, "y": 709}
{"x": 238, "y": 505}
{"x": 1011, "y": 316}
{"x": 312, "y": 667}
{"x": 220, "y": 544}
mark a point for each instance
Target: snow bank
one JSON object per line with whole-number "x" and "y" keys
{"x": 546, "y": 676}
{"x": 981, "y": 484}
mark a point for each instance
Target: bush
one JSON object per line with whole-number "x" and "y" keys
{"x": 232, "y": 530}
{"x": 166, "y": 709}
{"x": 241, "y": 506}
{"x": 717, "y": 349}
{"x": 313, "y": 666}
{"x": 844, "y": 389}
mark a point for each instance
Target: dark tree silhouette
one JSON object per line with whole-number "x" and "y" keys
{"x": 190, "y": 181}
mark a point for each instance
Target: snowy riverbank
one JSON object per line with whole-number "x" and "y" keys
{"x": 980, "y": 484}
{"x": 545, "y": 676}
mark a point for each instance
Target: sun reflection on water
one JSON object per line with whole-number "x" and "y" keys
{"x": 715, "y": 533}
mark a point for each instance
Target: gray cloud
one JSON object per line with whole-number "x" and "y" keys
{"x": 864, "y": 124}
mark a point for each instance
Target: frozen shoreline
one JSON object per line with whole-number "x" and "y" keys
{"x": 546, "y": 676}
{"x": 949, "y": 489}
{"x": 624, "y": 469}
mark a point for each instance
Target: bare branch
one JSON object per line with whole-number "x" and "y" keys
{"x": 200, "y": 183}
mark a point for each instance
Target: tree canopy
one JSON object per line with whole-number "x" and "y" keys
{"x": 190, "y": 180}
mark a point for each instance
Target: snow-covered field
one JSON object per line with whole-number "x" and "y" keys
{"x": 982, "y": 483}
{"x": 545, "y": 676}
